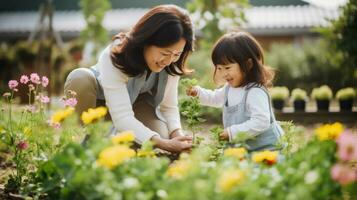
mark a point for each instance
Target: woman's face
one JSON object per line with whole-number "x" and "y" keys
{"x": 157, "y": 58}
{"x": 231, "y": 73}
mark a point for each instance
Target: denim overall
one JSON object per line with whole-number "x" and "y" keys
{"x": 238, "y": 114}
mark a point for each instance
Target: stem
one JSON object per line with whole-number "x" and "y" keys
{"x": 20, "y": 123}
{"x": 10, "y": 111}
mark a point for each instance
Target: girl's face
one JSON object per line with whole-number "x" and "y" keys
{"x": 231, "y": 73}
{"x": 157, "y": 58}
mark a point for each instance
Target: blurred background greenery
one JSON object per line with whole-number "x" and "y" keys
{"x": 308, "y": 44}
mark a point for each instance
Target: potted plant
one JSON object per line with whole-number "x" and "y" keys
{"x": 299, "y": 96}
{"x": 345, "y": 97}
{"x": 278, "y": 96}
{"x": 322, "y": 95}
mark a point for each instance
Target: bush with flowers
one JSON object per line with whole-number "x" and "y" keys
{"x": 50, "y": 162}
{"x": 30, "y": 134}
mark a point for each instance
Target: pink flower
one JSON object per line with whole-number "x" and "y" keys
{"x": 44, "y": 99}
{"x": 45, "y": 81}
{"x": 35, "y": 78}
{"x": 13, "y": 84}
{"x": 7, "y": 94}
{"x": 343, "y": 174}
{"x": 54, "y": 125}
{"x": 31, "y": 87}
{"x": 24, "y": 79}
{"x": 347, "y": 146}
{"x": 30, "y": 109}
{"x": 71, "y": 102}
{"x": 22, "y": 145}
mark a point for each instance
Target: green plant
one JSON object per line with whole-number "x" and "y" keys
{"x": 189, "y": 82}
{"x": 341, "y": 37}
{"x": 298, "y": 94}
{"x": 25, "y": 52}
{"x": 28, "y": 136}
{"x": 279, "y": 93}
{"x": 346, "y": 93}
{"x": 312, "y": 65}
{"x": 322, "y": 93}
{"x": 94, "y": 12}
{"x": 190, "y": 108}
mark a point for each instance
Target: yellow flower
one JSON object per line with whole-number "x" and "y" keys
{"x": 60, "y": 115}
{"x": 236, "y": 152}
{"x": 123, "y": 137}
{"x": 91, "y": 115}
{"x": 146, "y": 153}
{"x": 178, "y": 169}
{"x": 329, "y": 131}
{"x": 230, "y": 179}
{"x": 268, "y": 157}
{"x": 86, "y": 118}
{"x": 101, "y": 111}
{"x": 112, "y": 156}
{"x": 27, "y": 131}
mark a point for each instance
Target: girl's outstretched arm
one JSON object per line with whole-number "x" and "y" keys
{"x": 214, "y": 98}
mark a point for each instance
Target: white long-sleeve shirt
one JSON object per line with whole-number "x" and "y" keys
{"x": 114, "y": 84}
{"x": 257, "y": 106}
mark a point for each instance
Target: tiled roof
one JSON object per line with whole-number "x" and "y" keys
{"x": 288, "y": 17}
{"x": 263, "y": 20}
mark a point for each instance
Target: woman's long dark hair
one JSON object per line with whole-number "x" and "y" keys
{"x": 244, "y": 49}
{"x": 162, "y": 26}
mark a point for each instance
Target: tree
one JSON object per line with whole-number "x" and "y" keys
{"x": 214, "y": 17}
{"x": 94, "y": 12}
{"x": 342, "y": 38}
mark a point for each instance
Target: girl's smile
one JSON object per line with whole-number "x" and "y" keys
{"x": 231, "y": 73}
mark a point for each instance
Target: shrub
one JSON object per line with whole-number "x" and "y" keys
{"x": 298, "y": 94}
{"x": 346, "y": 93}
{"x": 307, "y": 65}
{"x": 322, "y": 93}
{"x": 279, "y": 93}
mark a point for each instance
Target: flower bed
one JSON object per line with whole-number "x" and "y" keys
{"x": 47, "y": 160}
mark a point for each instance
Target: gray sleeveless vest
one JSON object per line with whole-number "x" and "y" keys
{"x": 237, "y": 114}
{"x": 136, "y": 85}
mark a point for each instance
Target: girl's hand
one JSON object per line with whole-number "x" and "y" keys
{"x": 192, "y": 91}
{"x": 224, "y": 135}
{"x": 174, "y": 145}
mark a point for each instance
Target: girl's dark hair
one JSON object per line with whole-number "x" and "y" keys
{"x": 161, "y": 26}
{"x": 244, "y": 49}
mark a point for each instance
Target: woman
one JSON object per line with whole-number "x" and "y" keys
{"x": 137, "y": 76}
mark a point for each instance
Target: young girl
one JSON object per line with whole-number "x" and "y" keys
{"x": 239, "y": 61}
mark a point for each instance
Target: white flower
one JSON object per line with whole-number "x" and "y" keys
{"x": 130, "y": 182}
{"x": 162, "y": 194}
{"x": 311, "y": 177}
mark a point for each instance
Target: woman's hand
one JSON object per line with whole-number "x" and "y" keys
{"x": 192, "y": 91}
{"x": 224, "y": 135}
{"x": 174, "y": 145}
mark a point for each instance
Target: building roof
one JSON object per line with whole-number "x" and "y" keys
{"x": 262, "y": 20}
{"x": 288, "y": 19}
